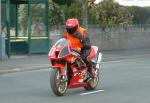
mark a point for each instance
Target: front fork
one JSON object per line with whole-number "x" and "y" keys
{"x": 63, "y": 71}
{"x": 94, "y": 70}
{"x": 63, "y": 74}
{"x": 99, "y": 60}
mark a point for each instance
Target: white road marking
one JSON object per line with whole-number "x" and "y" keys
{"x": 16, "y": 69}
{"x": 91, "y": 92}
{"x": 134, "y": 57}
{"x": 31, "y": 68}
{"x": 45, "y": 69}
{"x": 113, "y": 61}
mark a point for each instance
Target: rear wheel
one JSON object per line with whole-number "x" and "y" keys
{"x": 59, "y": 88}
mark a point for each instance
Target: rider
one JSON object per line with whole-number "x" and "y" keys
{"x": 79, "y": 41}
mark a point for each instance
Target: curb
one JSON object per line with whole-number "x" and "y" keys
{"x": 24, "y": 69}
{"x": 46, "y": 66}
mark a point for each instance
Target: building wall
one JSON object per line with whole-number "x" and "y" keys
{"x": 113, "y": 37}
{"x": 117, "y": 38}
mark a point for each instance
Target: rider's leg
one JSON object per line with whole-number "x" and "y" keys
{"x": 84, "y": 53}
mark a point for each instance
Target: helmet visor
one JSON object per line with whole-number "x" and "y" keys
{"x": 72, "y": 30}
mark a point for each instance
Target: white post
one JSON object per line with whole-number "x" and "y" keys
{"x": 2, "y": 40}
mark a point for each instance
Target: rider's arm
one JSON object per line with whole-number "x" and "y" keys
{"x": 86, "y": 42}
{"x": 84, "y": 39}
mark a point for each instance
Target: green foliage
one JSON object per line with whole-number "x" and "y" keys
{"x": 110, "y": 12}
{"x": 63, "y": 2}
{"x": 22, "y": 13}
{"x": 141, "y": 15}
{"x": 56, "y": 14}
{"x": 37, "y": 15}
{"x": 59, "y": 13}
{"x": 92, "y": 16}
{"x": 107, "y": 12}
{"x": 72, "y": 11}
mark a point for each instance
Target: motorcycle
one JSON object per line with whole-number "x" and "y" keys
{"x": 70, "y": 71}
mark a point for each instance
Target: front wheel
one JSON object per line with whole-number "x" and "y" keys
{"x": 59, "y": 88}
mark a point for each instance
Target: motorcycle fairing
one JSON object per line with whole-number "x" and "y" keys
{"x": 93, "y": 53}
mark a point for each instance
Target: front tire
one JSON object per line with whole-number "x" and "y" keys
{"x": 59, "y": 88}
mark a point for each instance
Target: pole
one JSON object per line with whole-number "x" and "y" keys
{"x": 2, "y": 49}
{"x": 47, "y": 22}
{"x": 29, "y": 27}
{"x": 16, "y": 21}
{"x": 85, "y": 13}
{"x": 8, "y": 27}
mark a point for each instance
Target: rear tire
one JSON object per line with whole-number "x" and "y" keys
{"x": 58, "y": 88}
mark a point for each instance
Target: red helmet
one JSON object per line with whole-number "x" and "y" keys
{"x": 72, "y": 25}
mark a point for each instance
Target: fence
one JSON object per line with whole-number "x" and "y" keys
{"x": 113, "y": 37}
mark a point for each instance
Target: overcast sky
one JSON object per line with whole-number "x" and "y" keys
{"x": 131, "y": 2}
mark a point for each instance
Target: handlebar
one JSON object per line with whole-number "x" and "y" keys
{"x": 77, "y": 52}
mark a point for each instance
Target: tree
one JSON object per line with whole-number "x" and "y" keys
{"x": 141, "y": 15}
{"x": 23, "y": 18}
{"x": 110, "y": 12}
{"x": 56, "y": 14}
{"x": 37, "y": 15}
{"x": 60, "y": 13}
{"x": 63, "y": 2}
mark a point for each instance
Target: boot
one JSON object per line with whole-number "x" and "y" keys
{"x": 91, "y": 70}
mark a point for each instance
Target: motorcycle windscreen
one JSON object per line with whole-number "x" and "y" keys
{"x": 63, "y": 47}
{"x": 64, "y": 52}
{"x": 61, "y": 42}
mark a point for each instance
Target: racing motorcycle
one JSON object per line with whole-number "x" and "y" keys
{"x": 70, "y": 71}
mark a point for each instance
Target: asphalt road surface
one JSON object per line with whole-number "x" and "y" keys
{"x": 122, "y": 81}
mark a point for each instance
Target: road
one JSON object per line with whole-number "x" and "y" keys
{"x": 122, "y": 81}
